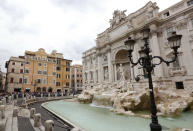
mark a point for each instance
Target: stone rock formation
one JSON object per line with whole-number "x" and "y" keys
{"x": 123, "y": 99}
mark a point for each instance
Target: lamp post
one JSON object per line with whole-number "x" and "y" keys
{"x": 146, "y": 62}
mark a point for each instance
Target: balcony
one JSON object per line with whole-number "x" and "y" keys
{"x": 177, "y": 71}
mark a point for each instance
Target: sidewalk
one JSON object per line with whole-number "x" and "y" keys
{"x": 58, "y": 124}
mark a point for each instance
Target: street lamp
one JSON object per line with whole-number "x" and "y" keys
{"x": 146, "y": 62}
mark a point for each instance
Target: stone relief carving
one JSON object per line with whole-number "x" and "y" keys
{"x": 149, "y": 13}
{"x": 177, "y": 7}
{"x": 181, "y": 25}
{"x": 105, "y": 57}
{"x": 118, "y": 17}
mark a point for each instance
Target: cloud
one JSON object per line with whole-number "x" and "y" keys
{"x": 68, "y": 26}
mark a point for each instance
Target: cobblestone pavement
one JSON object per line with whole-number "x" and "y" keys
{"x": 45, "y": 115}
{"x": 24, "y": 124}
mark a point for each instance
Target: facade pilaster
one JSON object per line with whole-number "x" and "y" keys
{"x": 100, "y": 70}
{"x": 115, "y": 72}
{"x": 110, "y": 66}
{"x": 154, "y": 44}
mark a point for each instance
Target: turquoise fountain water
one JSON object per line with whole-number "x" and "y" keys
{"x": 99, "y": 119}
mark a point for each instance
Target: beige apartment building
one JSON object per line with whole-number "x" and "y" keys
{"x": 15, "y": 73}
{"x": 45, "y": 72}
{"x": 2, "y": 80}
{"x": 76, "y": 78}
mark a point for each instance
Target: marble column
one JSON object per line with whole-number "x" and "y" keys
{"x": 132, "y": 72}
{"x": 100, "y": 69}
{"x": 110, "y": 67}
{"x": 154, "y": 45}
{"x": 88, "y": 77}
{"x": 115, "y": 72}
{"x": 135, "y": 56}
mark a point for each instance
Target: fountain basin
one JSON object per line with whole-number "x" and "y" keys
{"x": 92, "y": 118}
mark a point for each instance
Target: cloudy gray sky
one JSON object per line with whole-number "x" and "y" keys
{"x": 68, "y": 26}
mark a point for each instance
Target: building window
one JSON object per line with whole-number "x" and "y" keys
{"x": 72, "y": 75}
{"x": 39, "y": 64}
{"x": 39, "y": 72}
{"x": 170, "y": 30}
{"x": 54, "y": 73}
{"x": 67, "y": 76}
{"x": 20, "y": 80}
{"x": 67, "y": 84}
{"x": 13, "y": 63}
{"x": 27, "y": 62}
{"x": 49, "y": 59}
{"x": 67, "y": 63}
{"x": 58, "y": 62}
{"x": 39, "y": 58}
{"x": 26, "y": 70}
{"x": 54, "y": 81}
{"x": 67, "y": 69}
{"x": 38, "y": 81}
{"x": 77, "y": 75}
{"x": 179, "y": 85}
{"x": 77, "y": 81}
{"x": 190, "y": 2}
{"x": 58, "y": 76}
{"x": 45, "y": 72}
{"x": 21, "y": 64}
{"x": 80, "y": 75}
{"x": 21, "y": 70}
{"x": 25, "y": 80}
{"x": 45, "y": 81}
{"x": 57, "y": 83}
{"x": 12, "y": 70}
{"x": 43, "y": 58}
{"x": 192, "y": 22}
{"x": 45, "y": 64}
{"x": 54, "y": 66}
{"x": 166, "y": 14}
{"x": 27, "y": 56}
{"x": 11, "y": 80}
{"x": 32, "y": 57}
{"x": 58, "y": 68}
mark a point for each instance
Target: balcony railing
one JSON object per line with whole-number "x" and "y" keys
{"x": 177, "y": 71}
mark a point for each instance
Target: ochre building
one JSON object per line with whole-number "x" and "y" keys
{"x": 45, "y": 72}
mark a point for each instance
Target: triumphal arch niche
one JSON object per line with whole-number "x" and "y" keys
{"x": 122, "y": 65}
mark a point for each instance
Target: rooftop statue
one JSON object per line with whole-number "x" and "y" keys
{"x": 118, "y": 16}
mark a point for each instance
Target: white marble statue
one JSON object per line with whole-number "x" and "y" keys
{"x": 118, "y": 16}
{"x": 121, "y": 72}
